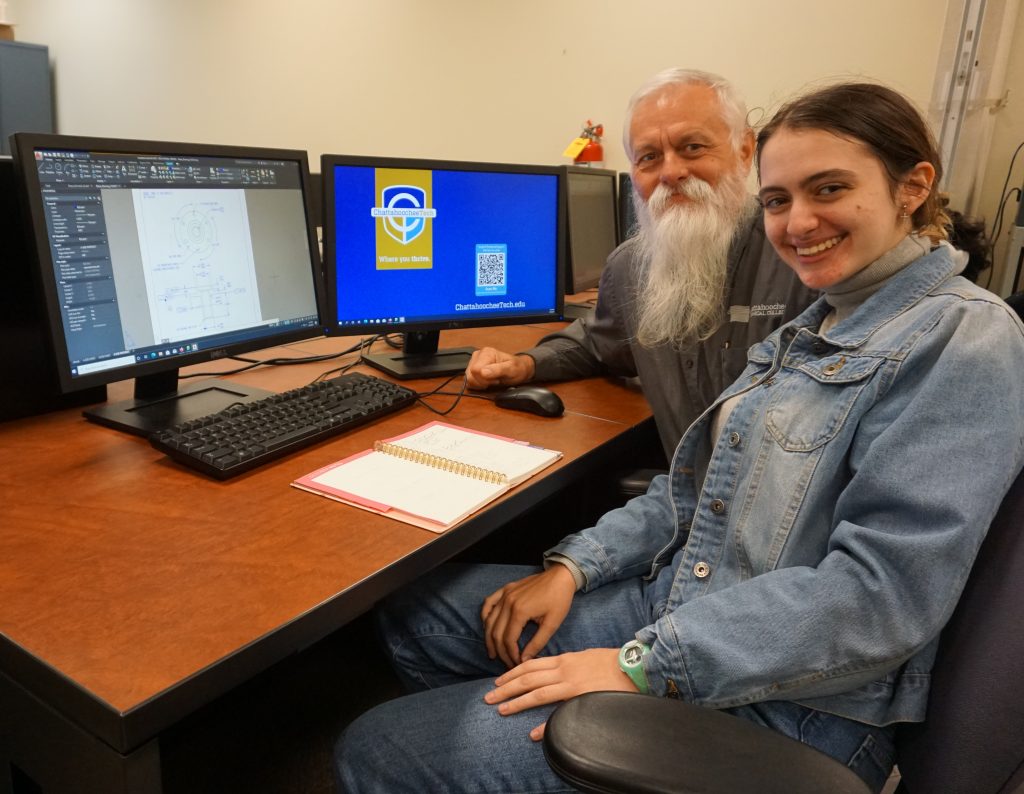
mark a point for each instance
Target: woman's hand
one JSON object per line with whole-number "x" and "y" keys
{"x": 552, "y": 679}
{"x": 544, "y": 598}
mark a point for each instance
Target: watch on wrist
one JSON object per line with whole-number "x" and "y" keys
{"x": 631, "y": 662}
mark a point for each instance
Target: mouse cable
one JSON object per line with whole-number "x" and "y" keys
{"x": 489, "y": 399}
{"x": 458, "y": 396}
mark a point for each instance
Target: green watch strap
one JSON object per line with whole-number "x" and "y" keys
{"x": 631, "y": 656}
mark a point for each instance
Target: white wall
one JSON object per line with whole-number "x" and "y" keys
{"x": 461, "y": 79}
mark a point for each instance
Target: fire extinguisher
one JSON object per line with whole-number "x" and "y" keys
{"x": 593, "y": 153}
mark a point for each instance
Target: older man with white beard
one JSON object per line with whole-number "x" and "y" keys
{"x": 681, "y": 301}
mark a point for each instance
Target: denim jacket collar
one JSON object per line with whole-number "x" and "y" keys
{"x": 902, "y": 291}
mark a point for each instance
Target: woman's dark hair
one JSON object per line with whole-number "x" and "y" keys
{"x": 881, "y": 119}
{"x": 968, "y": 234}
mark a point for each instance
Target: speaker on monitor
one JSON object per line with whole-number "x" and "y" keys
{"x": 28, "y": 383}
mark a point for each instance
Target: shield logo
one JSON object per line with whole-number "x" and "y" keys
{"x": 403, "y": 228}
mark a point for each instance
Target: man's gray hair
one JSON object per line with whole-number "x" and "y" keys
{"x": 734, "y": 109}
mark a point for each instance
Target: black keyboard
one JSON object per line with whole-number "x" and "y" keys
{"x": 250, "y": 434}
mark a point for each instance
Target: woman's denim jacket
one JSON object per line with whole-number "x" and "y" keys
{"x": 844, "y": 502}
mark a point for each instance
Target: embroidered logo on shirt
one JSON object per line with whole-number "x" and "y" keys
{"x": 742, "y": 314}
{"x": 768, "y": 310}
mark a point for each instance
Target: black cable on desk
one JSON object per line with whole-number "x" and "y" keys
{"x": 458, "y": 396}
{"x": 252, "y": 363}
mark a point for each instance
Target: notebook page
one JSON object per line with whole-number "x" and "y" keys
{"x": 411, "y": 487}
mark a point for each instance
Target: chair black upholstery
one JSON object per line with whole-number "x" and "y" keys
{"x": 972, "y": 741}
{"x": 635, "y": 482}
{"x": 605, "y": 742}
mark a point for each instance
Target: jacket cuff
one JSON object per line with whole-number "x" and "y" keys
{"x": 575, "y": 551}
{"x": 663, "y": 664}
{"x": 578, "y": 576}
{"x": 544, "y": 362}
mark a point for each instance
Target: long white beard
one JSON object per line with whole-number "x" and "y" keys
{"x": 685, "y": 250}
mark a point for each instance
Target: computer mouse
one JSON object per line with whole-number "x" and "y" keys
{"x": 534, "y": 399}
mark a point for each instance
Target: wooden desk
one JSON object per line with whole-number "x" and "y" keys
{"x": 133, "y": 591}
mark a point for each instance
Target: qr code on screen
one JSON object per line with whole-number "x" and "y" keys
{"x": 490, "y": 269}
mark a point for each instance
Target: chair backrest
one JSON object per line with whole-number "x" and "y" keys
{"x": 972, "y": 741}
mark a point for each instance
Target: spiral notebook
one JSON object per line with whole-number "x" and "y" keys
{"x": 433, "y": 477}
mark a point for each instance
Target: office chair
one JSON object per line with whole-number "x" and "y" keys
{"x": 972, "y": 741}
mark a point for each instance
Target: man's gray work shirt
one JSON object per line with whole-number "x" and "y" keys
{"x": 679, "y": 384}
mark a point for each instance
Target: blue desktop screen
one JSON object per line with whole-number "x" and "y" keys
{"x": 418, "y": 245}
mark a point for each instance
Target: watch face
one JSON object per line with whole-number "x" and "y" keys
{"x": 632, "y": 653}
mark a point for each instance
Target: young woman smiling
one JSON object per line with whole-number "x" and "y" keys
{"x": 798, "y": 562}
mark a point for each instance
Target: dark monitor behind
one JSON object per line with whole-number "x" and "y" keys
{"x": 156, "y": 255}
{"x": 29, "y": 385}
{"x": 316, "y": 199}
{"x": 627, "y": 209}
{"x": 592, "y": 225}
{"x": 421, "y": 246}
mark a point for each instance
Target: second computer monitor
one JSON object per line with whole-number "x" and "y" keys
{"x": 153, "y": 255}
{"x": 420, "y": 246}
{"x": 628, "y": 222}
{"x": 592, "y": 224}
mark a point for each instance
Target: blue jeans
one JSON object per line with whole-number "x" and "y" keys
{"x": 443, "y": 737}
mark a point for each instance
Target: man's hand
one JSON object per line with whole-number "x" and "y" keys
{"x": 490, "y": 367}
{"x": 544, "y": 598}
{"x": 552, "y": 679}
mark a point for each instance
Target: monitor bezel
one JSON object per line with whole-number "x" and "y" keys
{"x": 333, "y": 328}
{"x": 575, "y": 284}
{"x": 23, "y": 147}
{"x": 628, "y": 221}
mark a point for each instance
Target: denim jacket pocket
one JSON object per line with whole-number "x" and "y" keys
{"x": 811, "y": 403}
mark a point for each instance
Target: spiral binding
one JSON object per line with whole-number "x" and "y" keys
{"x": 439, "y": 462}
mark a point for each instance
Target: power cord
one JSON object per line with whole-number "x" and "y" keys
{"x": 1004, "y": 196}
{"x": 252, "y": 363}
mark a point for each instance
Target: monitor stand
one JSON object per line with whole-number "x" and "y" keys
{"x": 420, "y": 358}
{"x": 159, "y": 403}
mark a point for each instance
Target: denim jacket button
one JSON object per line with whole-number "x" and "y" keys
{"x": 717, "y": 506}
{"x": 701, "y": 570}
{"x": 734, "y": 439}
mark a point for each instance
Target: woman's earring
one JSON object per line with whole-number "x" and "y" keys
{"x": 903, "y": 214}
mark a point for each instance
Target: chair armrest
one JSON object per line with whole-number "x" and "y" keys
{"x": 637, "y": 744}
{"x": 636, "y": 481}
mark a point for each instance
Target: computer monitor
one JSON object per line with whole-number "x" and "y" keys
{"x": 316, "y": 199}
{"x": 421, "y": 246}
{"x": 592, "y": 226}
{"x": 156, "y": 255}
{"x": 30, "y": 384}
{"x": 627, "y": 210}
